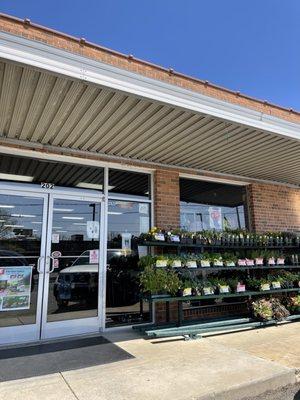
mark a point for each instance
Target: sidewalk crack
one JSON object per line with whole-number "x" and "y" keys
{"x": 67, "y": 383}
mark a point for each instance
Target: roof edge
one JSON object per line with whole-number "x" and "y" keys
{"x": 27, "y": 24}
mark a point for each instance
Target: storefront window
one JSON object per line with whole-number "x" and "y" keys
{"x": 126, "y": 221}
{"x": 129, "y": 184}
{"x": 209, "y": 205}
{"x": 31, "y": 170}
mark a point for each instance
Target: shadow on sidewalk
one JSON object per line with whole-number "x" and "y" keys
{"x": 58, "y": 356}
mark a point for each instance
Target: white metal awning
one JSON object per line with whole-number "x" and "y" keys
{"x": 50, "y": 109}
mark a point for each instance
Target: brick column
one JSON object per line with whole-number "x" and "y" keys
{"x": 166, "y": 199}
{"x": 273, "y": 208}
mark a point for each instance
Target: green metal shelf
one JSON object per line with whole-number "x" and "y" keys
{"x": 242, "y": 268}
{"x": 219, "y": 296}
{"x": 216, "y": 246}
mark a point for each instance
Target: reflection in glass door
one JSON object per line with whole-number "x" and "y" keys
{"x": 22, "y": 245}
{"x": 72, "y": 278}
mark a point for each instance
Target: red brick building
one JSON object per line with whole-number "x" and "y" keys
{"x": 87, "y": 129}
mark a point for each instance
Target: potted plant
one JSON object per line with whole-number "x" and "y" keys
{"x": 236, "y": 285}
{"x": 173, "y": 236}
{"x": 185, "y": 287}
{"x": 187, "y": 237}
{"x": 262, "y": 310}
{"x": 258, "y": 257}
{"x": 216, "y": 260}
{"x": 154, "y": 281}
{"x": 146, "y": 261}
{"x": 241, "y": 262}
{"x": 264, "y": 285}
{"x": 229, "y": 259}
{"x": 159, "y": 282}
{"x": 154, "y": 234}
{"x": 222, "y": 286}
{"x": 190, "y": 261}
{"x": 161, "y": 261}
{"x": 205, "y": 260}
{"x": 253, "y": 284}
{"x": 174, "y": 261}
{"x": 293, "y": 304}
{"x": 207, "y": 288}
{"x": 280, "y": 260}
{"x": 249, "y": 262}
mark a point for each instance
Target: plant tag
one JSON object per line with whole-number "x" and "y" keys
{"x": 159, "y": 236}
{"x": 191, "y": 264}
{"x": 187, "y": 292}
{"x": 176, "y": 264}
{"x": 230, "y": 264}
{"x": 205, "y": 263}
{"x": 265, "y": 286}
{"x": 241, "y": 262}
{"x": 259, "y": 261}
{"x": 241, "y": 288}
{"x": 249, "y": 263}
{"x": 175, "y": 238}
{"x": 207, "y": 291}
{"x": 161, "y": 263}
{"x": 218, "y": 263}
{"x": 280, "y": 261}
{"x": 271, "y": 261}
{"x": 224, "y": 289}
{"x": 276, "y": 285}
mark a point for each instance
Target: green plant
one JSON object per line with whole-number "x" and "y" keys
{"x": 293, "y": 304}
{"x": 262, "y": 309}
{"x": 146, "y": 261}
{"x": 173, "y": 282}
{"x": 153, "y": 280}
{"x": 229, "y": 258}
{"x": 159, "y": 281}
{"x": 253, "y": 284}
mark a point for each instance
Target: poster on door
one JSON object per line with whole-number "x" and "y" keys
{"x": 15, "y": 288}
{"x": 92, "y": 229}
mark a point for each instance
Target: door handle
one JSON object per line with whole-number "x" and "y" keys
{"x": 39, "y": 264}
{"x": 51, "y": 264}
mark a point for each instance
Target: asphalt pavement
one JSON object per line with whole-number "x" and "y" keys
{"x": 286, "y": 393}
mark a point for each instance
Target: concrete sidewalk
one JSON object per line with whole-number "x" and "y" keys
{"x": 227, "y": 367}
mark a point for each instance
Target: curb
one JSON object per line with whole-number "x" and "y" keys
{"x": 255, "y": 388}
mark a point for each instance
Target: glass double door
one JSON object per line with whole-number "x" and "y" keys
{"x": 50, "y": 263}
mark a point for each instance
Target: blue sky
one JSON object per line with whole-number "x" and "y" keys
{"x": 247, "y": 45}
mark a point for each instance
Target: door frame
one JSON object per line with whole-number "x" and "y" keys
{"x": 42, "y": 330}
{"x": 29, "y": 332}
{"x": 55, "y": 329}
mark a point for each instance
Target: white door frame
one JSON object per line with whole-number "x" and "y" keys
{"x": 43, "y": 329}
{"x": 30, "y": 332}
{"x": 56, "y": 329}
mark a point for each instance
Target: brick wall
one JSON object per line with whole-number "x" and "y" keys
{"x": 166, "y": 199}
{"x": 273, "y": 207}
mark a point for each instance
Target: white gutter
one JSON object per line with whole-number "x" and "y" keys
{"x": 40, "y": 55}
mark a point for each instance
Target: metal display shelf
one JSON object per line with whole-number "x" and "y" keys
{"x": 158, "y": 299}
{"x": 180, "y": 300}
{"x": 216, "y": 246}
{"x": 237, "y": 268}
{"x": 196, "y": 331}
{"x": 183, "y": 247}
